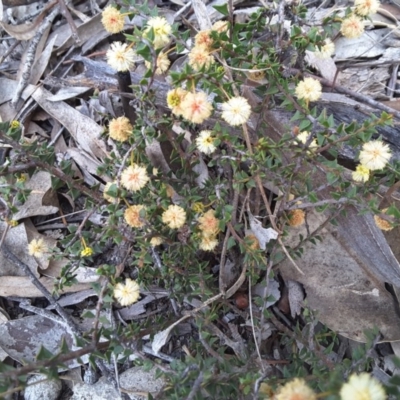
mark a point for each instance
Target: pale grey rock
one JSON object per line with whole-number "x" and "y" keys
{"x": 47, "y": 390}
{"x": 101, "y": 390}
{"x": 138, "y": 380}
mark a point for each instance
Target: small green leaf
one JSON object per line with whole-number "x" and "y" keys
{"x": 231, "y": 243}
{"x": 305, "y": 124}
{"x": 223, "y": 9}
{"x": 88, "y": 314}
{"x": 44, "y": 354}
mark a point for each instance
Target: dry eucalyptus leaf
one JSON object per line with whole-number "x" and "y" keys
{"x": 348, "y": 299}
{"x": 8, "y": 88}
{"x": 369, "y": 45}
{"x": 21, "y": 286}
{"x": 73, "y": 298}
{"x": 68, "y": 93}
{"x": 161, "y": 338}
{"x": 25, "y": 31}
{"x": 41, "y": 63}
{"x": 263, "y": 235}
{"x": 22, "y": 338}
{"x": 84, "y": 130}
{"x": 86, "y": 31}
{"x": 88, "y": 166}
{"x": 83, "y": 274}
{"x": 3, "y": 320}
{"x": 139, "y": 308}
{"x": 326, "y": 67}
{"x": 296, "y": 297}
{"x": 39, "y": 199}
{"x": 202, "y": 15}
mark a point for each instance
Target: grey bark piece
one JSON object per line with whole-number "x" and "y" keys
{"x": 366, "y": 46}
{"x": 360, "y": 236}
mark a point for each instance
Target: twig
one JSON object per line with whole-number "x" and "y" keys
{"x": 289, "y": 256}
{"x": 58, "y": 359}
{"x": 256, "y": 337}
{"x": 196, "y": 386}
{"x": 42, "y": 312}
{"x": 343, "y": 200}
{"x": 78, "y": 232}
{"x": 65, "y": 12}
{"x": 257, "y": 385}
{"x": 18, "y": 168}
{"x": 95, "y": 337}
{"x": 9, "y": 51}
{"x": 30, "y": 56}
{"x": 182, "y": 10}
{"x": 222, "y": 283}
{"x": 363, "y": 359}
{"x": 208, "y": 348}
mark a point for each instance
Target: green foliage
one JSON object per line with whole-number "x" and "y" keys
{"x": 188, "y": 258}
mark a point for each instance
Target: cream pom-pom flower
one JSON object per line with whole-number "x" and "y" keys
{"x": 134, "y": 178}
{"x": 174, "y": 100}
{"x": 361, "y": 174}
{"x": 303, "y": 138}
{"x": 205, "y": 142}
{"x": 134, "y": 216}
{"x": 352, "y": 27}
{"x": 208, "y": 223}
{"x": 375, "y": 154}
{"x": 296, "y": 217}
{"x": 220, "y": 26}
{"x": 203, "y": 38}
{"x": 200, "y": 57}
{"x": 366, "y": 7}
{"x": 208, "y": 242}
{"x": 163, "y": 63}
{"x": 361, "y": 387}
{"x": 195, "y": 107}
{"x": 326, "y": 50}
{"x": 120, "y": 129}
{"x": 174, "y": 216}
{"x": 383, "y": 224}
{"x": 120, "y": 57}
{"x": 296, "y": 389}
{"x": 161, "y": 28}
{"x": 309, "y": 89}
{"x": 112, "y": 20}
{"x": 127, "y": 293}
{"x": 37, "y": 247}
{"x": 156, "y": 241}
{"x": 236, "y": 111}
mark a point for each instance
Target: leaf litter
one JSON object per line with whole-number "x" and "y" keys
{"x": 347, "y": 301}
